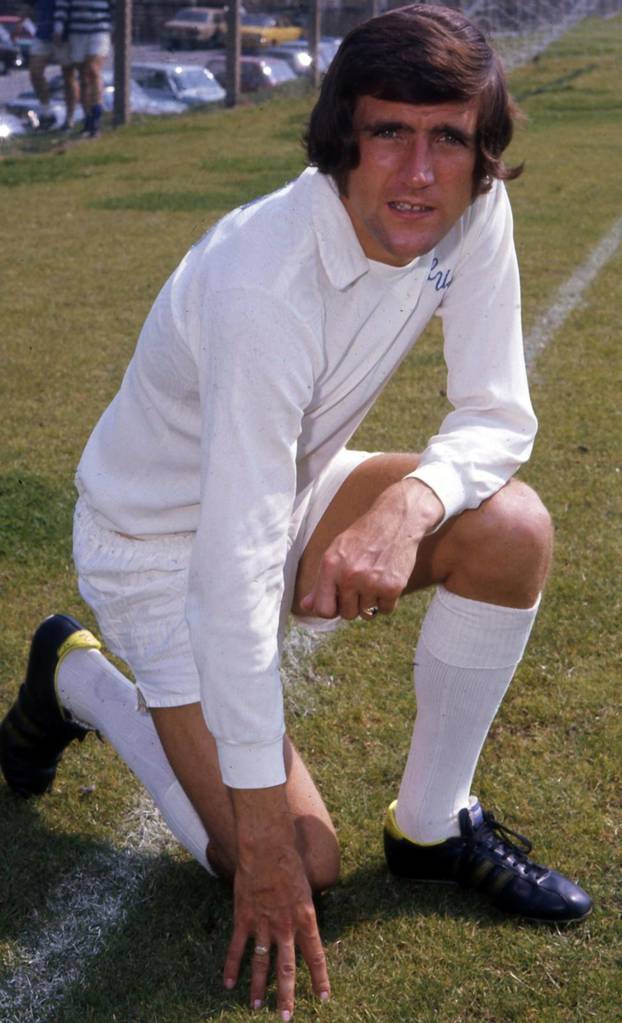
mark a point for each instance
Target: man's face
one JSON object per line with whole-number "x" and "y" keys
{"x": 415, "y": 176}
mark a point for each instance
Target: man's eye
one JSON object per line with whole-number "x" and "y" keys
{"x": 451, "y": 139}
{"x": 391, "y": 134}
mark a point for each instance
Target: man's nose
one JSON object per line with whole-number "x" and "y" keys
{"x": 418, "y": 166}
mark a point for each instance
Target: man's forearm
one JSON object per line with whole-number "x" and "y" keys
{"x": 263, "y": 818}
{"x": 425, "y": 509}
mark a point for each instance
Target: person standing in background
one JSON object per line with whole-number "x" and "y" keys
{"x": 46, "y": 51}
{"x": 86, "y": 25}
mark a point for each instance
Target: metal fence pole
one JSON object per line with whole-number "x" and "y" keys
{"x": 315, "y": 31}
{"x": 233, "y": 54}
{"x": 122, "y": 56}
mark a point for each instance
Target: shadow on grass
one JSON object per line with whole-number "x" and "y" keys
{"x": 172, "y": 202}
{"x": 280, "y": 169}
{"x": 35, "y": 515}
{"x": 166, "y": 957}
{"x": 34, "y": 859}
{"x": 183, "y": 923}
{"x": 371, "y": 892}
{"x": 64, "y": 165}
{"x": 208, "y": 200}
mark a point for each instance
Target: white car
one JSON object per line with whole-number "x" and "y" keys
{"x": 27, "y": 106}
{"x": 185, "y": 83}
{"x": 140, "y": 102}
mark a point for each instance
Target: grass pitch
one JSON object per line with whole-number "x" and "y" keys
{"x": 90, "y": 233}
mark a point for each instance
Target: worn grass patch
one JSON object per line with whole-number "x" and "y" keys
{"x": 84, "y": 267}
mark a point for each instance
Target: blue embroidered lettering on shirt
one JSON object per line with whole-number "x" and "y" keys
{"x": 442, "y": 278}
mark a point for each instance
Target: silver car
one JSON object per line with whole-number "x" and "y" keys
{"x": 27, "y": 106}
{"x": 185, "y": 83}
{"x": 298, "y": 55}
{"x": 255, "y": 72}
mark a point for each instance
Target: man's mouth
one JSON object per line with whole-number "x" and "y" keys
{"x": 402, "y": 206}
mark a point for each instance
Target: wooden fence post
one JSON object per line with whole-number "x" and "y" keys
{"x": 121, "y": 112}
{"x": 233, "y": 53}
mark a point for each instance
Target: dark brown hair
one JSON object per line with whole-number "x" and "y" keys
{"x": 415, "y": 54}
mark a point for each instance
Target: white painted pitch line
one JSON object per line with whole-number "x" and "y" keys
{"x": 570, "y": 294}
{"x": 85, "y": 907}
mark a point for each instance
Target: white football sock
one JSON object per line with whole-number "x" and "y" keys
{"x": 95, "y": 693}
{"x": 465, "y": 659}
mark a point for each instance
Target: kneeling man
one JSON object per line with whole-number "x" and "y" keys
{"x": 217, "y": 495}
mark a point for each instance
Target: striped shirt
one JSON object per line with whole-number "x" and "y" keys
{"x": 44, "y": 20}
{"x": 82, "y": 17}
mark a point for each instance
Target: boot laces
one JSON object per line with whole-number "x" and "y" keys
{"x": 508, "y": 845}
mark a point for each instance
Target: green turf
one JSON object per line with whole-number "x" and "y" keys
{"x": 90, "y": 233}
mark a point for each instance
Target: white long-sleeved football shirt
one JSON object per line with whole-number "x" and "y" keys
{"x": 257, "y": 362}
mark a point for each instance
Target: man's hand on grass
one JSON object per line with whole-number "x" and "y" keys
{"x": 273, "y": 907}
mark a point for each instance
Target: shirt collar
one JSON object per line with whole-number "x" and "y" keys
{"x": 342, "y": 256}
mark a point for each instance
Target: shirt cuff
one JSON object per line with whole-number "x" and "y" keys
{"x": 251, "y": 765}
{"x": 446, "y": 484}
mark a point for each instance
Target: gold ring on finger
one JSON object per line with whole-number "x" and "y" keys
{"x": 369, "y": 612}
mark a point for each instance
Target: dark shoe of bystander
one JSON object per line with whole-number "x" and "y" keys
{"x": 46, "y": 122}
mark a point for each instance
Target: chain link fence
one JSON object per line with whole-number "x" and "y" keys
{"x": 536, "y": 22}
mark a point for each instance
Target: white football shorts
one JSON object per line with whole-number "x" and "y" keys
{"x": 50, "y": 53}
{"x": 137, "y": 590}
{"x": 89, "y": 44}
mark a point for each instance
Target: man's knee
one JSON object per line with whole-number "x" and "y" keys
{"x": 520, "y": 520}
{"x": 503, "y": 548}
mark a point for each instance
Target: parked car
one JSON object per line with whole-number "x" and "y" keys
{"x": 298, "y": 55}
{"x": 18, "y": 25}
{"x": 255, "y": 72}
{"x": 257, "y": 30}
{"x": 140, "y": 101}
{"x": 195, "y": 26}
{"x": 330, "y": 45}
{"x": 22, "y": 32}
{"x": 10, "y": 126}
{"x": 186, "y": 83}
{"x": 27, "y": 106}
{"x": 10, "y": 53}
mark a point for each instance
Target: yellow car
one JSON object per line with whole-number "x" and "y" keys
{"x": 259, "y": 30}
